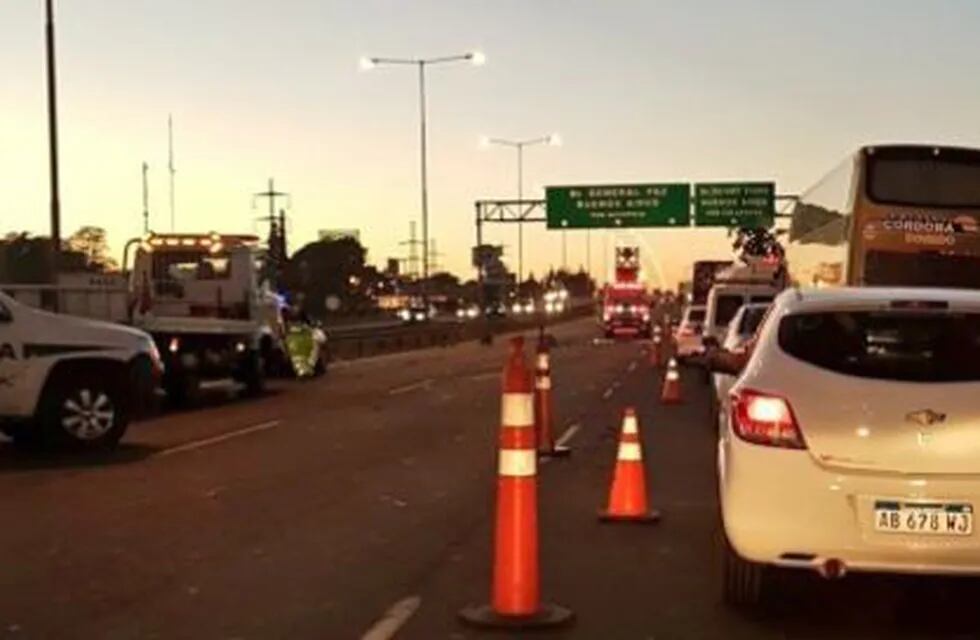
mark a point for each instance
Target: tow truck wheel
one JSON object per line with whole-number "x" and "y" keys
{"x": 253, "y": 374}
{"x": 181, "y": 388}
{"x": 84, "y": 409}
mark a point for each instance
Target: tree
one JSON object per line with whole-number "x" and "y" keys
{"x": 331, "y": 268}
{"x": 91, "y": 242}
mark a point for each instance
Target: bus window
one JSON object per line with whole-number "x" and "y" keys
{"x": 924, "y": 177}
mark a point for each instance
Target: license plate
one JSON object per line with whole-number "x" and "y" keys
{"x": 924, "y": 519}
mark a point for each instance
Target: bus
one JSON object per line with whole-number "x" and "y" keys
{"x": 890, "y": 215}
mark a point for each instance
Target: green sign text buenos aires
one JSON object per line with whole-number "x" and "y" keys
{"x": 619, "y": 205}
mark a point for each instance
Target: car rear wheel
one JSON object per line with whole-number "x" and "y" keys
{"x": 744, "y": 583}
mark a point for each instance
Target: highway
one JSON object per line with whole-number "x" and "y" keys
{"x": 314, "y": 510}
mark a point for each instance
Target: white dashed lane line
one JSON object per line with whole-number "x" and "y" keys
{"x": 422, "y": 384}
{"x": 207, "y": 442}
{"x": 393, "y": 619}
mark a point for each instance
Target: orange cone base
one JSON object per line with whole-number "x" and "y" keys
{"x": 547, "y": 615}
{"x": 650, "y": 517}
{"x": 557, "y": 451}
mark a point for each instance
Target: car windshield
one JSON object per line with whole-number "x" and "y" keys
{"x": 923, "y": 347}
{"x": 695, "y": 316}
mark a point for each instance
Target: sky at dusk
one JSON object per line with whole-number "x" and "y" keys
{"x": 640, "y": 91}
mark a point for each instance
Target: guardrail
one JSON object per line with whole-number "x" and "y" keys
{"x": 354, "y": 343}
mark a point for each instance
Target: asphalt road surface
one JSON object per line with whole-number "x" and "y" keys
{"x": 313, "y": 511}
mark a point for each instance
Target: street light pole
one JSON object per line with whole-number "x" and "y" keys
{"x": 425, "y": 187}
{"x": 553, "y": 140}
{"x": 53, "y": 144}
{"x": 475, "y": 58}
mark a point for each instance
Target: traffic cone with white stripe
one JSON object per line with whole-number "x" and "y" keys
{"x": 671, "y": 392}
{"x": 543, "y": 417}
{"x": 515, "y": 601}
{"x": 628, "y": 493}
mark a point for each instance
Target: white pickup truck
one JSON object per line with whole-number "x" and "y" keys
{"x": 66, "y": 380}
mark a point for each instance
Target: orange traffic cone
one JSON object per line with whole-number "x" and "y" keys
{"x": 671, "y": 392}
{"x": 628, "y": 494}
{"x": 515, "y": 601}
{"x": 542, "y": 405}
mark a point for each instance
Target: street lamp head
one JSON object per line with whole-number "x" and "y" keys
{"x": 366, "y": 64}
{"x": 476, "y": 58}
{"x": 554, "y": 140}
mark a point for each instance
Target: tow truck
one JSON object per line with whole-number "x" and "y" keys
{"x": 197, "y": 296}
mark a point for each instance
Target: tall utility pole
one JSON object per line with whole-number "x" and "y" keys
{"x": 53, "y": 144}
{"x": 588, "y": 252}
{"x": 518, "y": 145}
{"x": 271, "y": 194}
{"x": 146, "y": 199}
{"x": 421, "y": 63}
{"x": 173, "y": 170}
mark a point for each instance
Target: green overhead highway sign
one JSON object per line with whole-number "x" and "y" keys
{"x": 619, "y": 205}
{"x": 734, "y": 204}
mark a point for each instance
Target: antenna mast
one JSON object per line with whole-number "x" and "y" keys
{"x": 146, "y": 200}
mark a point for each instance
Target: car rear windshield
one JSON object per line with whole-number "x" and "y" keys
{"x": 726, "y": 307}
{"x": 695, "y": 316}
{"x": 921, "y": 176}
{"x": 912, "y": 347}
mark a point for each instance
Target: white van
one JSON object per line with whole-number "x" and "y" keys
{"x": 72, "y": 381}
{"x": 725, "y": 300}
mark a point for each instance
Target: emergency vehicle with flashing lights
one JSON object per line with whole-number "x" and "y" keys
{"x": 626, "y": 305}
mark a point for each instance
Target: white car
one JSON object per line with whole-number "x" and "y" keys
{"x": 851, "y": 439}
{"x": 740, "y": 330}
{"x": 687, "y": 336}
{"x": 70, "y": 381}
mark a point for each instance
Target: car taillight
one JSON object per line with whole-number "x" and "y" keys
{"x": 765, "y": 419}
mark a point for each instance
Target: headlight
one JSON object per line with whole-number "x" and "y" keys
{"x": 405, "y": 314}
{"x": 472, "y": 312}
{"x": 516, "y": 308}
{"x": 619, "y": 308}
{"x": 460, "y": 313}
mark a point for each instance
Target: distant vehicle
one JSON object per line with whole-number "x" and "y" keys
{"x": 468, "y": 312}
{"x": 416, "y": 311}
{"x": 71, "y": 381}
{"x": 891, "y": 215}
{"x": 851, "y": 438}
{"x": 555, "y": 301}
{"x": 741, "y": 330}
{"x": 758, "y": 281}
{"x": 626, "y": 311}
{"x": 703, "y": 278}
{"x": 524, "y": 306}
{"x": 687, "y": 336}
{"x": 626, "y": 306}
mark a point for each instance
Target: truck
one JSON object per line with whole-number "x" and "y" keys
{"x": 626, "y": 305}
{"x": 199, "y": 298}
{"x": 72, "y": 381}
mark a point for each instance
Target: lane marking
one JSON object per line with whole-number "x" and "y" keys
{"x": 568, "y": 435}
{"x": 423, "y": 384}
{"x": 393, "y": 619}
{"x": 607, "y": 393}
{"x": 207, "y": 442}
{"x": 486, "y": 375}
{"x": 632, "y": 367}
